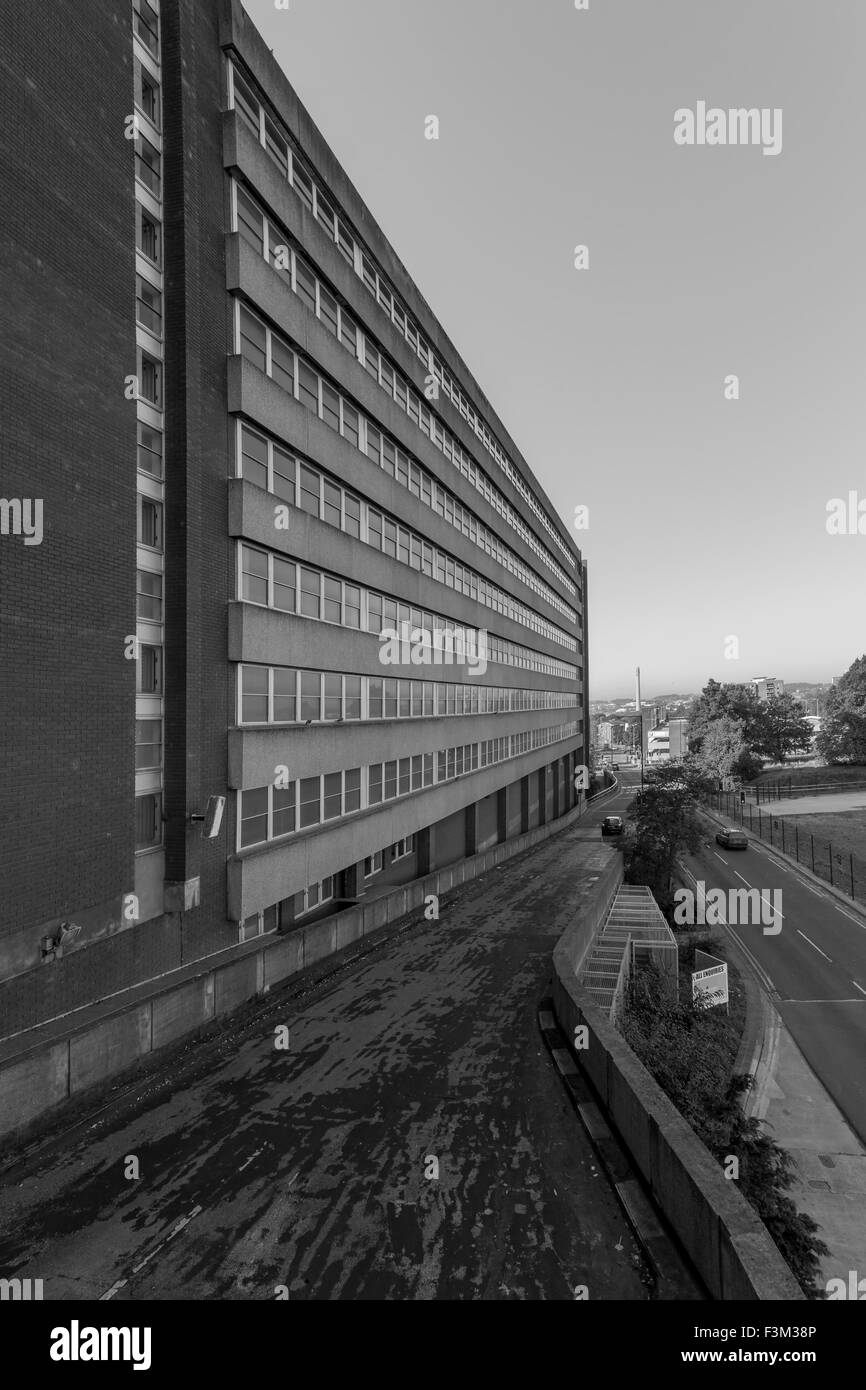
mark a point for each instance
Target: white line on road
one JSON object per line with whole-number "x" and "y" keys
{"x": 718, "y": 856}
{"x": 850, "y": 916}
{"x": 860, "y": 987}
{"x": 812, "y": 944}
{"x": 742, "y": 880}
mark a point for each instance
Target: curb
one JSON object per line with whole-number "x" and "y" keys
{"x": 663, "y": 1258}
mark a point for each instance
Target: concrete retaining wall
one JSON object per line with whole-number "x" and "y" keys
{"x": 729, "y": 1246}
{"x": 48, "y": 1071}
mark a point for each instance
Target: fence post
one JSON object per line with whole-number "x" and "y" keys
{"x": 771, "y": 829}
{"x": 783, "y": 834}
{"x": 830, "y": 857}
{"x": 796, "y": 842}
{"x": 750, "y": 815}
{"x": 851, "y": 858}
{"x": 812, "y": 838}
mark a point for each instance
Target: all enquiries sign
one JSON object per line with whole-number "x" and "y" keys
{"x": 710, "y": 981}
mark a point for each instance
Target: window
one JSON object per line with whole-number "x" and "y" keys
{"x": 149, "y": 592}
{"x": 333, "y": 500}
{"x": 254, "y": 695}
{"x": 311, "y": 812}
{"x": 150, "y": 523}
{"x": 283, "y": 471}
{"x": 403, "y": 848}
{"x": 148, "y": 306}
{"x": 285, "y": 699}
{"x": 404, "y": 777}
{"x": 348, "y": 333}
{"x": 148, "y": 165}
{"x": 148, "y": 744}
{"x": 328, "y": 310}
{"x": 276, "y": 146}
{"x": 149, "y": 450}
{"x": 251, "y": 223}
{"x": 346, "y": 243}
{"x": 373, "y": 864}
{"x": 333, "y": 611}
{"x": 352, "y": 523}
{"x": 390, "y": 781}
{"x": 284, "y": 585}
{"x": 330, "y": 407}
{"x": 374, "y": 785}
{"x": 308, "y": 384}
{"x": 254, "y": 575}
{"x": 302, "y": 184}
{"x": 305, "y": 283}
{"x": 333, "y": 697}
{"x": 149, "y": 670}
{"x": 254, "y": 340}
{"x": 254, "y": 458}
{"x": 283, "y": 819}
{"x": 145, "y": 22}
{"x": 350, "y": 423}
{"x": 325, "y": 214}
{"x": 246, "y": 104}
{"x": 352, "y": 607}
{"x": 375, "y": 704}
{"x": 333, "y": 795}
{"x": 308, "y": 494}
{"x": 353, "y": 697}
{"x": 254, "y": 817}
{"x": 148, "y": 235}
{"x": 311, "y": 696}
{"x": 148, "y": 821}
{"x": 282, "y": 365}
{"x": 147, "y": 94}
{"x": 150, "y": 380}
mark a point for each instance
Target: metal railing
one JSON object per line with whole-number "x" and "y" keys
{"x": 840, "y": 868}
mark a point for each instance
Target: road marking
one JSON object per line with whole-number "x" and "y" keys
{"x": 742, "y": 880}
{"x": 860, "y": 987}
{"x": 812, "y": 944}
{"x": 176, "y": 1229}
{"x": 850, "y": 916}
{"x": 756, "y": 966}
{"x": 718, "y": 856}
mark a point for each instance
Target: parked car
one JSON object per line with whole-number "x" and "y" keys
{"x": 615, "y": 767}
{"x": 731, "y": 838}
{"x": 612, "y": 825}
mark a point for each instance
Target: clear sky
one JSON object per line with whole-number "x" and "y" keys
{"x": 707, "y": 516}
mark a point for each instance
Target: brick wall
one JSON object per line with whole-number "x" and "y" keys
{"x": 67, "y": 435}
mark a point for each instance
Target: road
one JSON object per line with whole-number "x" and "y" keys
{"x": 814, "y": 969}
{"x": 413, "y": 1141}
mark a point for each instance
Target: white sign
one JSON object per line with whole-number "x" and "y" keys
{"x": 711, "y": 984}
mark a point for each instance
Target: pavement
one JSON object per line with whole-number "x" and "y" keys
{"x": 393, "y": 1129}
{"x": 809, "y": 1055}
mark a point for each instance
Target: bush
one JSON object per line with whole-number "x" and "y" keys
{"x": 689, "y": 1050}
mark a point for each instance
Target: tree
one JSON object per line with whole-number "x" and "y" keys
{"x": 666, "y": 823}
{"x": 843, "y": 738}
{"x": 722, "y": 746}
{"x": 717, "y": 701}
{"x": 782, "y": 729}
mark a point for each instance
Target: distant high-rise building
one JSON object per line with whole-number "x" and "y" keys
{"x": 766, "y": 687}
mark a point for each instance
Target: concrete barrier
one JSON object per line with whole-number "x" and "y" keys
{"x": 726, "y": 1241}
{"x": 47, "y": 1069}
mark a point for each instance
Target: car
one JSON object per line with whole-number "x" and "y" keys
{"x": 731, "y": 838}
{"x": 615, "y": 767}
{"x": 612, "y": 825}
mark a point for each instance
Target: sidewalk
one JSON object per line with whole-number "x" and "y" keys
{"x": 802, "y": 1118}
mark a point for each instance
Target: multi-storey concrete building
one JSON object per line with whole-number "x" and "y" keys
{"x": 291, "y": 556}
{"x": 767, "y": 687}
